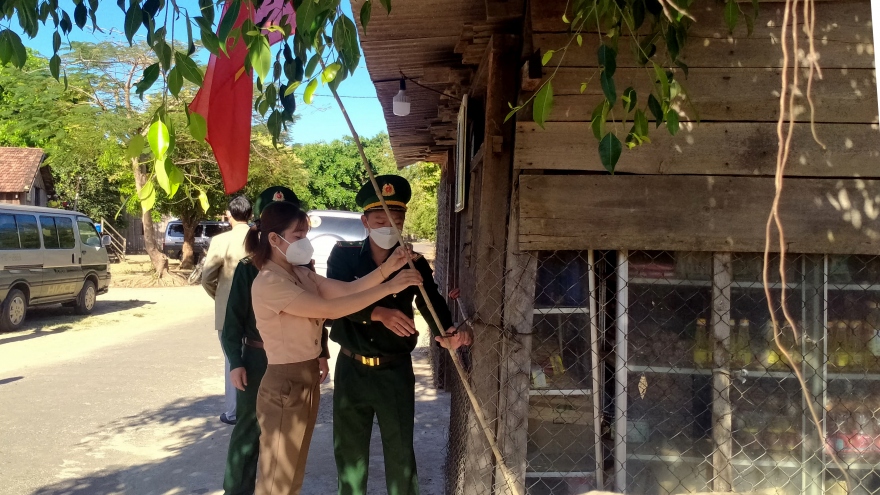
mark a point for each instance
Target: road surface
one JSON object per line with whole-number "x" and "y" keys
{"x": 126, "y": 401}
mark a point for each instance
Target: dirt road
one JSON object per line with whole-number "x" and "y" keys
{"x": 126, "y": 401}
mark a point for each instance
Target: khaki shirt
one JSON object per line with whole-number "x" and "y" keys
{"x": 223, "y": 255}
{"x": 287, "y": 338}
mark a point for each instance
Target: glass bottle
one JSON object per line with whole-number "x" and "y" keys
{"x": 702, "y": 350}
{"x": 741, "y": 353}
{"x": 769, "y": 355}
{"x": 857, "y": 345}
{"x": 872, "y": 329}
{"x": 838, "y": 345}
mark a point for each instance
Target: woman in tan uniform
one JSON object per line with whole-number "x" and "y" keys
{"x": 290, "y": 304}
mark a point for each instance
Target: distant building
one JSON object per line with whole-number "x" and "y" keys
{"x": 23, "y": 179}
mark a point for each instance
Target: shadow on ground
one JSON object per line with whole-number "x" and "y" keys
{"x": 55, "y": 319}
{"x": 189, "y": 445}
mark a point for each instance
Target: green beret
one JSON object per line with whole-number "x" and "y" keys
{"x": 395, "y": 190}
{"x": 274, "y": 193}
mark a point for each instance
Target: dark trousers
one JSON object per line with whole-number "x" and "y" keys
{"x": 244, "y": 444}
{"x": 387, "y": 393}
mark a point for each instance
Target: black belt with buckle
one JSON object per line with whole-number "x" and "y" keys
{"x": 372, "y": 361}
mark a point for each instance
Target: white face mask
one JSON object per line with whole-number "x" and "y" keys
{"x": 298, "y": 252}
{"x": 383, "y": 237}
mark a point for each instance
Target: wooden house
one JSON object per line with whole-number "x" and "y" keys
{"x": 23, "y": 178}
{"x": 622, "y": 335}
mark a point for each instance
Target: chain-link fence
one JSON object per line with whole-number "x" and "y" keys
{"x": 658, "y": 373}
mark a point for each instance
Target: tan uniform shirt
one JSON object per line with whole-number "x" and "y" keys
{"x": 226, "y": 250}
{"x": 287, "y": 338}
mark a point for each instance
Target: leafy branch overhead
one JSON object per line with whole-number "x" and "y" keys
{"x": 657, "y": 34}
{"x": 322, "y": 50}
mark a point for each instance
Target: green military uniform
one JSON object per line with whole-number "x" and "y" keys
{"x": 386, "y": 391}
{"x": 241, "y": 324}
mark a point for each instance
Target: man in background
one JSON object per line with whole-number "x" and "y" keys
{"x": 225, "y": 251}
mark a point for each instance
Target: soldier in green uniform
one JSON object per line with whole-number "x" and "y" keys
{"x": 374, "y": 373}
{"x": 247, "y": 364}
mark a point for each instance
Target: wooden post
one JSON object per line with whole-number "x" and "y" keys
{"x": 722, "y": 436}
{"x": 491, "y": 202}
{"x": 516, "y": 355}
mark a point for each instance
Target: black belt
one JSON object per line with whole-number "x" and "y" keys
{"x": 257, "y": 344}
{"x": 372, "y": 361}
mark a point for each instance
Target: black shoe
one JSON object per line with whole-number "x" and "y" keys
{"x": 224, "y": 419}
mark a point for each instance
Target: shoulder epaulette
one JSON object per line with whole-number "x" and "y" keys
{"x": 246, "y": 260}
{"x": 350, "y": 244}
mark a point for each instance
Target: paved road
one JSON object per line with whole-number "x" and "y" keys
{"x": 126, "y": 402}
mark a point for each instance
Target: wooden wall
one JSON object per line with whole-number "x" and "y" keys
{"x": 728, "y": 129}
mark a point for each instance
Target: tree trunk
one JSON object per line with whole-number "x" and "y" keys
{"x": 187, "y": 254}
{"x": 160, "y": 262}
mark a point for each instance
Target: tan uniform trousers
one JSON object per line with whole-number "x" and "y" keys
{"x": 287, "y": 409}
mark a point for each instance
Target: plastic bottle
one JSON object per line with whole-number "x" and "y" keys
{"x": 838, "y": 347}
{"x": 769, "y": 356}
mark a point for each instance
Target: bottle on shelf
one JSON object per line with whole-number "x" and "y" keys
{"x": 858, "y": 345}
{"x": 741, "y": 351}
{"x": 702, "y": 345}
{"x": 769, "y": 357}
{"x": 872, "y": 329}
{"x": 838, "y": 345}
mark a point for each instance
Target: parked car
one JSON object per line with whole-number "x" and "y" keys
{"x": 172, "y": 244}
{"x": 330, "y": 227}
{"x": 49, "y": 256}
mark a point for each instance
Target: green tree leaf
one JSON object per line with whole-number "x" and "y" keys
{"x": 598, "y": 119}
{"x": 151, "y": 74}
{"x": 175, "y": 180}
{"x": 387, "y": 5}
{"x": 188, "y": 68}
{"x": 133, "y": 20}
{"x": 290, "y": 88}
{"x": 543, "y": 104}
{"x": 190, "y": 44}
{"x": 160, "y": 168}
{"x": 163, "y": 53}
{"x": 608, "y": 59}
{"x": 80, "y": 14}
{"x": 656, "y": 109}
{"x": 175, "y": 81}
{"x": 366, "y": 11}
{"x": 227, "y": 23}
{"x": 159, "y": 139}
{"x": 56, "y": 42}
{"x": 731, "y": 15}
{"x": 135, "y": 147}
{"x": 547, "y": 56}
{"x": 672, "y": 121}
{"x": 629, "y": 98}
{"x": 198, "y": 127}
{"x": 211, "y": 42}
{"x": 609, "y": 151}
{"x": 346, "y": 43}
{"x": 330, "y": 72}
{"x": 260, "y": 55}
{"x": 203, "y": 201}
{"x": 608, "y": 88}
{"x": 55, "y": 67}
{"x": 147, "y": 196}
{"x": 640, "y": 124}
{"x": 312, "y": 65}
{"x": 309, "y": 93}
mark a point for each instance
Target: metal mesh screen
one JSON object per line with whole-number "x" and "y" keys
{"x": 658, "y": 373}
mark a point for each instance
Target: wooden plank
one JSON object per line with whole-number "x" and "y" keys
{"x": 851, "y": 18}
{"x": 722, "y": 410}
{"x": 844, "y": 40}
{"x": 744, "y": 95}
{"x": 688, "y": 213}
{"x": 709, "y": 148}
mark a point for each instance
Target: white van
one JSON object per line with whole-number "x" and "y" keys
{"x": 48, "y": 256}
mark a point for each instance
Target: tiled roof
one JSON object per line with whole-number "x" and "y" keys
{"x": 18, "y": 167}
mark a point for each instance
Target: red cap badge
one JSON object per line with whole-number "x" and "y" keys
{"x": 279, "y": 196}
{"x": 388, "y": 190}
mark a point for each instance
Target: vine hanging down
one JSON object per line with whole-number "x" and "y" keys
{"x": 653, "y": 27}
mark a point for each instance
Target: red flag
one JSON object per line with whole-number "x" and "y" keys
{"x": 226, "y": 97}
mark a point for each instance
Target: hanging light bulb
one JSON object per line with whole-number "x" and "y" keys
{"x": 400, "y": 105}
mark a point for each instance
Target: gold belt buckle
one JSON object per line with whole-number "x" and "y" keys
{"x": 369, "y": 361}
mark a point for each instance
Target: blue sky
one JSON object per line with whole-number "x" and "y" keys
{"x": 321, "y": 121}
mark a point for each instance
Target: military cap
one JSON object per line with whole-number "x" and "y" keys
{"x": 395, "y": 189}
{"x": 274, "y": 193}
